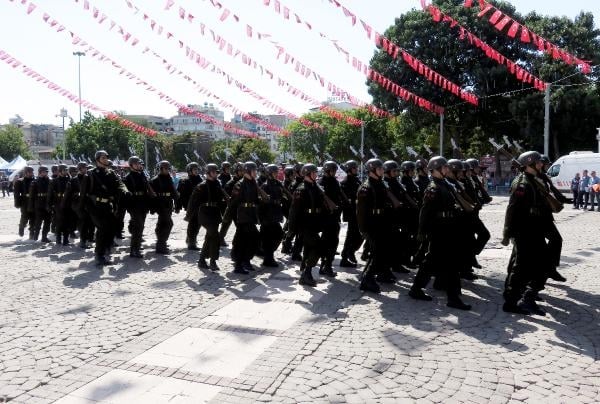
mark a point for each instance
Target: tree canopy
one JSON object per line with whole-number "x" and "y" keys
{"x": 12, "y": 143}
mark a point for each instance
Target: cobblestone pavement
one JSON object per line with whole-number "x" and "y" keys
{"x": 160, "y": 330}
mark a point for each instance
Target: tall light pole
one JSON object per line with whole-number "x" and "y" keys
{"x": 598, "y": 139}
{"x": 63, "y": 114}
{"x": 79, "y": 55}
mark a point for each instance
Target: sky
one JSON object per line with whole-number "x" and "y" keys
{"x": 30, "y": 40}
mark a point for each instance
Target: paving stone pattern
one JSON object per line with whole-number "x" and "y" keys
{"x": 138, "y": 330}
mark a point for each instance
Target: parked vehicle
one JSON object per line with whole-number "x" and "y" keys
{"x": 564, "y": 168}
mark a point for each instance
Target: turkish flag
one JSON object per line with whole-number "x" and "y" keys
{"x": 468, "y": 3}
{"x": 525, "y": 35}
{"x": 512, "y": 31}
{"x": 487, "y": 8}
{"x": 503, "y": 22}
{"x": 496, "y": 16}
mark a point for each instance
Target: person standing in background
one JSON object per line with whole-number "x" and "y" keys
{"x": 575, "y": 190}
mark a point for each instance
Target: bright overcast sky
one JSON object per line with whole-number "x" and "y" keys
{"x": 33, "y": 42}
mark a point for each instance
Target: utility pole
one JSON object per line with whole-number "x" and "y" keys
{"x": 441, "y": 134}
{"x": 598, "y": 139}
{"x": 63, "y": 114}
{"x": 79, "y": 55}
{"x": 547, "y": 121}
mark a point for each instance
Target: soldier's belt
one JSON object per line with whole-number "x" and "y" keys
{"x": 40, "y": 195}
{"x": 377, "y": 211}
{"x": 164, "y": 194}
{"x": 103, "y": 200}
{"x": 316, "y": 210}
{"x": 248, "y": 205}
{"x": 213, "y": 204}
{"x": 446, "y": 214}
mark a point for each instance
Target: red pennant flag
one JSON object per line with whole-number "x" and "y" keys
{"x": 224, "y": 15}
{"x": 249, "y": 31}
{"x": 367, "y": 28}
{"x": 286, "y": 13}
{"x": 503, "y": 23}
{"x": 525, "y": 35}
{"x": 512, "y": 31}
{"x": 496, "y": 16}
{"x": 468, "y": 3}
{"x": 484, "y": 11}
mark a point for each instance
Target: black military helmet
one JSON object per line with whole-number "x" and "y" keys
{"x": 350, "y": 164}
{"x": 330, "y": 166}
{"x": 225, "y": 165}
{"x": 191, "y": 166}
{"x": 455, "y": 165}
{"x": 90, "y": 167}
{"x": 42, "y": 169}
{"x": 298, "y": 167}
{"x": 436, "y": 163}
{"x": 54, "y": 168}
{"x": 466, "y": 166}
{"x": 390, "y": 165}
{"x": 81, "y": 165}
{"x": 27, "y": 169}
{"x": 288, "y": 170}
{"x": 99, "y": 154}
{"x": 373, "y": 164}
{"x": 545, "y": 160}
{"x": 272, "y": 169}
{"x": 474, "y": 163}
{"x": 408, "y": 165}
{"x": 63, "y": 167}
{"x": 250, "y": 166}
{"x": 210, "y": 168}
{"x": 421, "y": 164}
{"x": 529, "y": 158}
{"x": 72, "y": 169}
{"x": 238, "y": 166}
{"x": 164, "y": 164}
{"x": 309, "y": 168}
{"x": 134, "y": 160}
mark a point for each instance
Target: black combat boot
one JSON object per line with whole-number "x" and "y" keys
{"x": 269, "y": 261}
{"x": 101, "y": 260}
{"x": 556, "y": 276}
{"x": 512, "y": 307}
{"x": 45, "y": 238}
{"x": 456, "y": 303}
{"x": 306, "y": 278}
{"x": 135, "y": 253}
{"x": 202, "y": 263}
{"x": 327, "y": 270}
{"x": 32, "y": 235}
{"x": 368, "y": 284}
{"x": 162, "y": 249}
{"x": 21, "y": 231}
{"x": 346, "y": 263}
{"x": 528, "y": 303}
{"x": 418, "y": 294}
{"x": 213, "y": 265}
{"x": 66, "y": 239}
{"x": 238, "y": 268}
{"x": 400, "y": 269}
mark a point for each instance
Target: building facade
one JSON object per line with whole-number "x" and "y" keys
{"x": 186, "y": 122}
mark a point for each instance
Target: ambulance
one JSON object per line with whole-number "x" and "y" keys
{"x": 564, "y": 168}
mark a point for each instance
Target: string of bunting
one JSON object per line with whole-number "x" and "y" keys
{"x": 363, "y": 67}
{"x": 34, "y": 75}
{"x": 283, "y": 56}
{"x": 195, "y": 56}
{"x": 501, "y": 20}
{"x": 520, "y": 73}
{"x": 76, "y": 40}
{"x": 232, "y": 51}
{"x": 395, "y": 51}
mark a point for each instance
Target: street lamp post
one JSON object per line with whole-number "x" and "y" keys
{"x": 79, "y": 55}
{"x": 598, "y": 139}
{"x": 63, "y": 114}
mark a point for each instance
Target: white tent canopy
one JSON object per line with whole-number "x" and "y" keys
{"x": 15, "y": 165}
{"x": 2, "y": 162}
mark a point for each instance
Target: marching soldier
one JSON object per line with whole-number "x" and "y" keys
{"x": 271, "y": 215}
{"x": 437, "y": 227}
{"x": 331, "y": 218}
{"x": 292, "y": 244}
{"x": 238, "y": 174}
{"x": 84, "y": 221}
{"x": 99, "y": 190}
{"x": 138, "y": 205}
{"x": 526, "y": 219}
{"x": 481, "y": 234}
{"x": 422, "y": 177}
{"x": 60, "y": 205}
{"x": 412, "y": 214}
{"x": 306, "y": 219}
{"x": 185, "y": 189}
{"x": 166, "y": 196}
{"x": 353, "y": 240}
{"x": 38, "y": 204}
{"x": 22, "y": 197}
{"x": 372, "y": 212}
{"x": 243, "y": 208}
{"x": 205, "y": 205}
{"x": 224, "y": 176}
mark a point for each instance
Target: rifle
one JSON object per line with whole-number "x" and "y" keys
{"x": 554, "y": 204}
{"x": 456, "y": 150}
{"x": 428, "y": 149}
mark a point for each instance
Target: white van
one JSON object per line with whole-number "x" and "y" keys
{"x": 564, "y": 168}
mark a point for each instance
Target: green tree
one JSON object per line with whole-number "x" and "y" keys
{"x": 12, "y": 143}
{"x": 242, "y": 148}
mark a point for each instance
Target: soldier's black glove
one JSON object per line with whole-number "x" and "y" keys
{"x": 505, "y": 241}
{"x": 177, "y": 210}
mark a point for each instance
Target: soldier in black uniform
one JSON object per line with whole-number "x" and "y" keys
{"x": 411, "y": 216}
{"x": 306, "y": 219}
{"x": 84, "y": 221}
{"x": 224, "y": 176}
{"x": 372, "y": 212}
{"x": 438, "y": 226}
{"x": 271, "y": 215}
{"x": 138, "y": 204}
{"x": 483, "y": 235}
{"x": 22, "y": 196}
{"x": 293, "y": 241}
{"x": 243, "y": 208}
{"x": 238, "y": 174}
{"x": 38, "y": 204}
{"x": 205, "y": 205}
{"x": 331, "y": 217}
{"x": 353, "y": 240}
{"x": 99, "y": 190}
{"x": 526, "y": 218}
{"x": 166, "y": 198}
{"x": 422, "y": 177}
{"x": 60, "y": 205}
{"x": 185, "y": 189}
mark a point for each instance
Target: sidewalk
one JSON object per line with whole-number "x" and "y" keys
{"x": 161, "y": 330}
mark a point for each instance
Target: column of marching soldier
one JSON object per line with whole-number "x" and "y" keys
{"x": 420, "y": 215}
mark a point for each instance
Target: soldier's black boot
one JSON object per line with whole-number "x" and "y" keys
{"x": 45, "y": 238}
{"x": 327, "y": 270}
{"x": 456, "y": 303}
{"x": 368, "y": 284}
{"x": 386, "y": 277}
{"x": 101, "y": 260}
{"x": 286, "y": 247}
{"x": 475, "y": 263}
{"x": 213, "y": 265}
{"x": 296, "y": 256}
{"x": 306, "y": 278}
{"x": 418, "y": 294}
{"x": 346, "y": 263}
{"x": 65, "y": 239}
{"x": 135, "y": 253}
{"x": 556, "y": 276}
{"x": 238, "y": 268}
{"x": 400, "y": 269}
{"x": 161, "y": 248}
{"x": 248, "y": 266}
{"x": 528, "y": 303}
{"x": 32, "y": 236}
{"x": 512, "y": 307}
{"x": 269, "y": 261}
{"x": 202, "y": 263}
{"x": 192, "y": 246}
{"x": 21, "y": 231}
